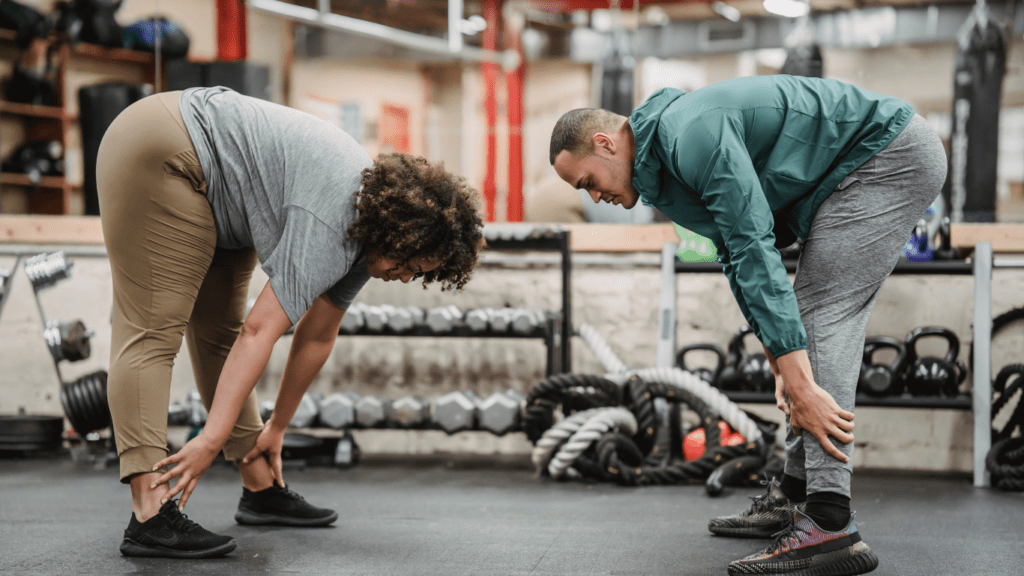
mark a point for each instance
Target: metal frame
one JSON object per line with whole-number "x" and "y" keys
{"x": 981, "y": 392}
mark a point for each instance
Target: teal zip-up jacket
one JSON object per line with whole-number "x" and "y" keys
{"x": 721, "y": 160}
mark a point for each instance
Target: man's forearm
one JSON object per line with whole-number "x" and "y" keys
{"x": 795, "y": 368}
{"x": 771, "y": 360}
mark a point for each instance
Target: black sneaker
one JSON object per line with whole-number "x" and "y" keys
{"x": 282, "y": 507}
{"x": 804, "y": 549}
{"x": 170, "y": 534}
{"x": 768, "y": 515}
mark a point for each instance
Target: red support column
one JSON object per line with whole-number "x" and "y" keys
{"x": 489, "y": 72}
{"x": 514, "y": 82}
{"x": 231, "y": 39}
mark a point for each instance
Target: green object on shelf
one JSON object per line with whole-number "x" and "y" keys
{"x": 695, "y": 248}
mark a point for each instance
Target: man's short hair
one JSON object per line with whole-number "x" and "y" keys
{"x": 575, "y": 129}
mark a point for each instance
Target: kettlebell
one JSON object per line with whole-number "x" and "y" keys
{"x": 929, "y": 376}
{"x": 743, "y": 371}
{"x": 706, "y": 374}
{"x": 882, "y": 379}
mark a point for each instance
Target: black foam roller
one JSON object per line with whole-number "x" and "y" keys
{"x": 98, "y": 105}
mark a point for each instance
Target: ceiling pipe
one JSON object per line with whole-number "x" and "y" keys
{"x": 455, "y": 25}
{"x": 508, "y": 59}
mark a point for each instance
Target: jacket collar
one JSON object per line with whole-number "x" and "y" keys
{"x": 646, "y": 165}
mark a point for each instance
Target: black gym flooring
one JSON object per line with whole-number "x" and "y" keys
{"x": 486, "y": 516}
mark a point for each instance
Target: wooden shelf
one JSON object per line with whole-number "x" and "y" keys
{"x": 120, "y": 55}
{"x": 32, "y": 111}
{"x": 52, "y": 182}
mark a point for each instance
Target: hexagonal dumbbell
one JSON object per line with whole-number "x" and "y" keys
{"x": 499, "y": 413}
{"x": 338, "y": 411}
{"x": 442, "y": 320}
{"x": 501, "y": 319}
{"x": 373, "y": 411}
{"x": 353, "y": 320}
{"x": 526, "y": 320}
{"x": 376, "y": 318}
{"x": 306, "y": 414}
{"x": 419, "y": 315}
{"x": 479, "y": 320}
{"x": 410, "y": 412}
{"x": 178, "y": 414}
{"x": 398, "y": 319}
{"x": 455, "y": 412}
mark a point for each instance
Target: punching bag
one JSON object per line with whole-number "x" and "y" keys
{"x": 804, "y": 60}
{"x": 98, "y": 105}
{"x": 617, "y": 84}
{"x": 970, "y": 190}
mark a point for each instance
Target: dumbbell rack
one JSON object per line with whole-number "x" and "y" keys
{"x": 980, "y": 399}
{"x": 557, "y": 333}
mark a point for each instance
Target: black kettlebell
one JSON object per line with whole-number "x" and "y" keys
{"x": 882, "y": 379}
{"x": 743, "y": 371}
{"x": 929, "y": 376}
{"x": 706, "y": 374}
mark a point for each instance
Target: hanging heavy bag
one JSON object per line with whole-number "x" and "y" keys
{"x": 174, "y": 42}
{"x": 706, "y": 374}
{"x": 978, "y": 70}
{"x": 99, "y": 105}
{"x": 882, "y": 379}
{"x": 930, "y": 376}
{"x": 804, "y": 60}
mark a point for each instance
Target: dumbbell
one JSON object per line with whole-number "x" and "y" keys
{"x": 410, "y": 412}
{"x": 353, "y": 320}
{"x": 68, "y": 340}
{"x": 178, "y": 414}
{"x": 5, "y": 280}
{"x": 526, "y": 320}
{"x": 339, "y": 410}
{"x": 309, "y": 409}
{"x": 197, "y": 412}
{"x": 442, "y": 320}
{"x": 399, "y": 319}
{"x": 376, "y": 318}
{"x": 501, "y": 319}
{"x": 373, "y": 411}
{"x": 45, "y": 270}
{"x": 479, "y": 320}
{"x": 455, "y": 412}
{"x": 266, "y": 409}
{"x": 499, "y": 413}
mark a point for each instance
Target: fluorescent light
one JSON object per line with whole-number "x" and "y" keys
{"x": 787, "y": 8}
{"x": 726, "y": 11}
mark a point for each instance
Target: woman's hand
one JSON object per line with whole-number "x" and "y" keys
{"x": 268, "y": 445}
{"x": 815, "y": 411}
{"x": 193, "y": 460}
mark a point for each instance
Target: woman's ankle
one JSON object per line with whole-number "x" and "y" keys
{"x": 256, "y": 475}
{"x": 146, "y": 501}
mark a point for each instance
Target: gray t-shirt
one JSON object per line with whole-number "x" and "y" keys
{"x": 283, "y": 182}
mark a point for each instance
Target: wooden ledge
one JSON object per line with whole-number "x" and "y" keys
{"x": 35, "y": 229}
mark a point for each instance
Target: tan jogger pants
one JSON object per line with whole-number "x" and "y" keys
{"x": 169, "y": 278}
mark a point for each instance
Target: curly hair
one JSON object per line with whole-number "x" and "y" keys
{"x": 409, "y": 208}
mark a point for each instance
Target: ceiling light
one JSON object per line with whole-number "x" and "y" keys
{"x": 726, "y": 11}
{"x": 787, "y": 8}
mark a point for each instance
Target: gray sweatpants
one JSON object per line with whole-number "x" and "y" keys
{"x": 853, "y": 245}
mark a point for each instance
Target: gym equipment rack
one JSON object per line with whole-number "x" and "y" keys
{"x": 980, "y": 401}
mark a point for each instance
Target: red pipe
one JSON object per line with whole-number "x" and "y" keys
{"x": 231, "y": 38}
{"x": 514, "y": 82}
{"x": 490, "y": 73}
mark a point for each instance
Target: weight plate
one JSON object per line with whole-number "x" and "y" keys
{"x": 30, "y": 432}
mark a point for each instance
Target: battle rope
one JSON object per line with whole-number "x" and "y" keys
{"x": 612, "y": 418}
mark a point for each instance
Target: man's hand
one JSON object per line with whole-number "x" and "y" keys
{"x": 780, "y": 394}
{"x": 815, "y": 411}
{"x": 269, "y": 446}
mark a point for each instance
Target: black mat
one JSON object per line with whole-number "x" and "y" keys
{"x": 414, "y": 517}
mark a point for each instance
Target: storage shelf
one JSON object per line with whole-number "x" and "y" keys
{"x": 962, "y": 402}
{"x": 120, "y": 55}
{"x": 950, "y": 267}
{"x": 53, "y": 182}
{"x": 32, "y": 111}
